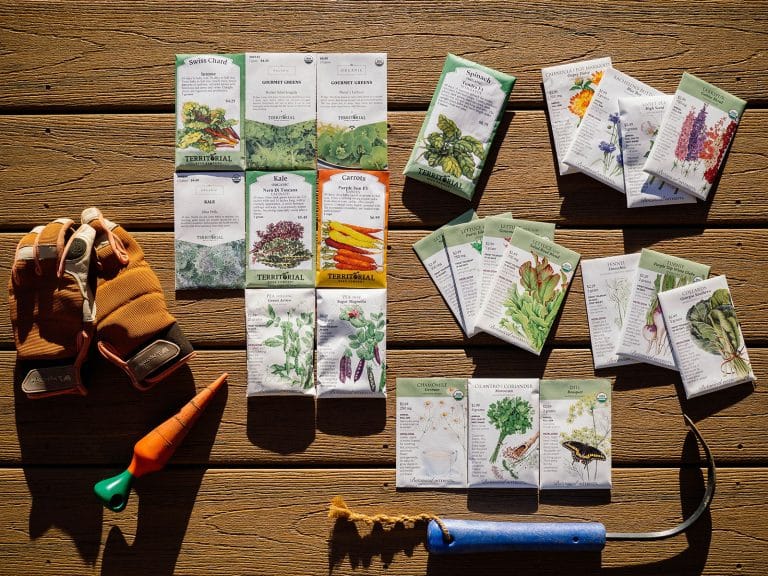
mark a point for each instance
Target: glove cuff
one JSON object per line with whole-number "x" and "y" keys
{"x": 56, "y": 377}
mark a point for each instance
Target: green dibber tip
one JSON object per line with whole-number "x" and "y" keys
{"x": 113, "y": 492}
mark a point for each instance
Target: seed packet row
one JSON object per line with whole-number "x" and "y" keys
{"x": 503, "y": 433}
{"x": 281, "y": 111}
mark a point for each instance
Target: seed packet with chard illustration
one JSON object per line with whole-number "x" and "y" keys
{"x": 568, "y": 89}
{"x": 281, "y": 228}
{"x": 695, "y": 136}
{"x": 460, "y": 125}
{"x": 644, "y": 335}
{"x": 431, "y": 433}
{"x": 525, "y": 296}
{"x": 463, "y": 244}
{"x": 595, "y": 148}
{"x": 209, "y": 111}
{"x": 575, "y": 434}
{"x": 352, "y": 224}
{"x": 351, "y": 343}
{"x": 706, "y": 336}
{"x": 503, "y": 433}
{"x": 280, "y": 330}
{"x": 209, "y": 229}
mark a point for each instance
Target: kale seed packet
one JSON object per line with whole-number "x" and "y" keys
{"x": 281, "y": 228}
{"x": 460, "y": 125}
{"x": 695, "y": 136}
{"x": 706, "y": 336}
{"x": 209, "y": 112}
{"x": 280, "y": 111}
{"x": 463, "y": 244}
{"x": 352, "y": 111}
{"x": 209, "y": 229}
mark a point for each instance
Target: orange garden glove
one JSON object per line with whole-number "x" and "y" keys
{"x": 133, "y": 327}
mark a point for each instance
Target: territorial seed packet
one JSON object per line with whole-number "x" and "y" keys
{"x": 463, "y": 243}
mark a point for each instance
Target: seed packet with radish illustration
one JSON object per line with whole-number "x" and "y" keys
{"x": 280, "y": 330}
{"x": 644, "y": 335}
{"x": 693, "y": 140}
{"x": 351, "y": 343}
{"x": 352, "y": 221}
{"x": 503, "y": 433}
{"x": 463, "y": 244}
{"x": 431, "y": 433}
{"x": 706, "y": 336}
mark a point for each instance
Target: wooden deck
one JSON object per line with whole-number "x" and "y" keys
{"x": 86, "y": 118}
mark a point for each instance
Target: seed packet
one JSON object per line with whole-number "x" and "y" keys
{"x": 209, "y": 227}
{"x": 525, "y": 296}
{"x": 431, "y": 433}
{"x": 281, "y": 228}
{"x": 463, "y": 244}
{"x": 503, "y": 433}
{"x": 280, "y": 111}
{"x": 568, "y": 89}
{"x": 644, "y": 334}
{"x": 575, "y": 434}
{"x": 351, "y": 343}
{"x": 209, "y": 111}
{"x": 706, "y": 336}
{"x": 460, "y": 125}
{"x": 352, "y": 111}
{"x": 595, "y": 149}
{"x": 280, "y": 330}
{"x": 695, "y": 136}
{"x": 352, "y": 220}
{"x": 607, "y": 285}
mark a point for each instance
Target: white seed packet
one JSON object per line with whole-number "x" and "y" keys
{"x": 644, "y": 334}
{"x": 503, "y": 433}
{"x": 464, "y": 243}
{"x": 351, "y": 343}
{"x": 575, "y": 434}
{"x": 596, "y": 149}
{"x": 280, "y": 331}
{"x": 431, "y": 433}
{"x": 569, "y": 89}
{"x": 607, "y": 286}
{"x": 706, "y": 336}
{"x": 209, "y": 229}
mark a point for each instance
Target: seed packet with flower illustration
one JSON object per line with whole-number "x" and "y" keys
{"x": 595, "y": 148}
{"x": 431, "y": 433}
{"x": 639, "y": 121}
{"x": 695, "y": 136}
{"x": 644, "y": 335}
{"x": 351, "y": 343}
{"x": 503, "y": 433}
{"x": 525, "y": 296}
{"x": 568, "y": 89}
{"x": 706, "y": 336}
{"x": 460, "y": 125}
{"x": 209, "y": 229}
{"x": 575, "y": 434}
{"x": 281, "y": 228}
{"x": 280, "y": 331}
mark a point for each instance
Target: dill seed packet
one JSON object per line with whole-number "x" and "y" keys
{"x": 568, "y": 89}
{"x": 695, "y": 136}
{"x": 209, "y": 229}
{"x": 525, "y": 296}
{"x": 351, "y": 343}
{"x": 280, "y": 331}
{"x": 431, "y": 433}
{"x": 352, "y": 111}
{"x": 209, "y": 111}
{"x": 503, "y": 433}
{"x": 575, "y": 434}
{"x": 281, "y": 228}
{"x": 607, "y": 286}
{"x": 280, "y": 111}
{"x": 595, "y": 148}
{"x": 706, "y": 336}
{"x": 644, "y": 335}
{"x": 463, "y": 244}
{"x": 460, "y": 125}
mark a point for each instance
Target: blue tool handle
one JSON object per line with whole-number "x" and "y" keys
{"x": 473, "y": 536}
